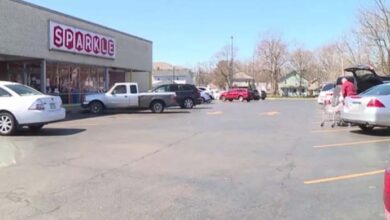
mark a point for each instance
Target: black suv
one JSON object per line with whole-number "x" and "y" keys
{"x": 187, "y": 95}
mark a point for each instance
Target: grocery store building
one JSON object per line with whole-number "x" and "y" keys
{"x": 67, "y": 56}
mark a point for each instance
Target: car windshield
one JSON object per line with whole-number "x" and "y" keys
{"x": 383, "y": 89}
{"x": 23, "y": 90}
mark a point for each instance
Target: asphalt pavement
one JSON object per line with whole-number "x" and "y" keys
{"x": 259, "y": 160}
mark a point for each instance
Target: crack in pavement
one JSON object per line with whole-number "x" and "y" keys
{"x": 147, "y": 155}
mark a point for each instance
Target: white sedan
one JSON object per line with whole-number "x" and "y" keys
{"x": 21, "y": 106}
{"x": 369, "y": 109}
{"x": 326, "y": 93}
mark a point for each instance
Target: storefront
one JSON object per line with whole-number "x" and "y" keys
{"x": 66, "y": 56}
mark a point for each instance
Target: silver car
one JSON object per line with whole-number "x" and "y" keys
{"x": 369, "y": 109}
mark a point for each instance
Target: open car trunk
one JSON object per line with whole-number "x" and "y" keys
{"x": 365, "y": 77}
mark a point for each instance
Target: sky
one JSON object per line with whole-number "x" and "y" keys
{"x": 188, "y": 32}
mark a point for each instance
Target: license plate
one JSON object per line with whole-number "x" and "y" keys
{"x": 52, "y": 106}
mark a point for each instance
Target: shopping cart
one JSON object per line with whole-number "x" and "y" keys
{"x": 332, "y": 108}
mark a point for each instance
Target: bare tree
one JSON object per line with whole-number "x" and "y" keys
{"x": 223, "y": 67}
{"x": 374, "y": 31}
{"x": 272, "y": 52}
{"x": 330, "y": 63}
{"x": 301, "y": 61}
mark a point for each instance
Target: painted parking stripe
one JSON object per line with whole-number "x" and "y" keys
{"x": 330, "y": 130}
{"x": 344, "y": 177}
{"x": 215, "y": 113}
{"x": 352, "y": 143}
{"x": 269, "y": 113}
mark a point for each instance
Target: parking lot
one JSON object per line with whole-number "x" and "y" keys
{"x": 259, "y": 160}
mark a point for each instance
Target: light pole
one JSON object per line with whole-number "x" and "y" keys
{"x": 232, "y": 58}
{"x": 173, "y": 72}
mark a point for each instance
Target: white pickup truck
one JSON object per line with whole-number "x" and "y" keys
{"x": 126, "y": 95}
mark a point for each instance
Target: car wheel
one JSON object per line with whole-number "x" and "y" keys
{"x": 241, "y": 99}
{"x": 203, "y": 100}
{"x": 35, "y": 128}
{"x": 230, "y": 100}
{"x": 188, "y": 103}
{"x": 96, "y": 107}
{"x": 7, "y": 124}
{"x": 366, "y": 128}
{"x": 223, "y": 98}
{"x": 248, "y": 100}
{"x": 157, "y": 107}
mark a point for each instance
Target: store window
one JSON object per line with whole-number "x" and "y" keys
{"x": 71, "y": 81}
{"x": 25, "y": 72}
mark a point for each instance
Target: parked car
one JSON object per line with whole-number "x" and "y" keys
{"x": 205, "y": 96}
{"x": 207, "y": 91}
{"x": 126, "y": 95}
{"x": 21, "y": 106}
{"x": 369, "y": 109}
{"x": 237, "y": 94}
{"x": 187, "y": 95}
{"x": 326, "y": 92}
{"x": 365, "y": 77}
{"x": 259, "y": 95}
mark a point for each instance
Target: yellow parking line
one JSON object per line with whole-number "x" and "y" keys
{"x": 269, "y": 113}
{"x": 344, "y": 177}
{"x": 352, "y": 143}
{"x": 330, "y": 130}
{"x": 215, "y": 113}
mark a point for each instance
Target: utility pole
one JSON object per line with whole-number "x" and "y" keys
{"x": 173, "y": 72}
{"x": 231, "y": 60}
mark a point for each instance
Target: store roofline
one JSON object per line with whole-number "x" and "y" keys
{"x": 79, "y": 19}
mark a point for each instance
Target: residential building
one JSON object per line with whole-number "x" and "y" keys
{"x": 293, "y": 84}
{"x": 168, "y": 73}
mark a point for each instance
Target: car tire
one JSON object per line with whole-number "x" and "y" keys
{"x": 35, "y": 128}
{"x": 7, "y": 124}
{"x": 248, "y": 100}
{"x": 230, "y": 100}
{"x": 96, "y": 107}
{"x": 188, "y": 103}
{"x": 157, "y": 107}
{"x": 366, "y": 128}
{"x": 241, "y": 99}
{"x": 203, "y": 100}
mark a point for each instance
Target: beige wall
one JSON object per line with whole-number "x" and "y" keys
{"x": 25, "y": 32}
{"x": 143, "y": 79}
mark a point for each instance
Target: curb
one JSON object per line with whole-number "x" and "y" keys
{"x": 72, "y": 108}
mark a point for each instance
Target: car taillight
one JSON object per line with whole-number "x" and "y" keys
{"x": 37, "y": 105}
{"x": 375, "y": 103}
{"x": 386, "y": 190}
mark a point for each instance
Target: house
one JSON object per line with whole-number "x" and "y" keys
{"x": 168, "y": 73}
{"x": 314, "y": 88}
{"x": 242, "y": 79}
{"x": 293, "y": 84}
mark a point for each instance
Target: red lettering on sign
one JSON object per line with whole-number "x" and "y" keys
{"x": 69, "y": 38}
{"x": 111, "y": 48}
{"x": 104, "y": 46}
{"x": 88, "y": 43}
{"x": 96, "y": 44}
{"x": 79, "y": 41}
{"x": 58, "y": 36}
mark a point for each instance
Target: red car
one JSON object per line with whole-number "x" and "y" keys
{"x": 237, "y": 94}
